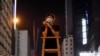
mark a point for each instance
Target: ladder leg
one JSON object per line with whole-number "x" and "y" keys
{"x": 57, "y": 50}
{"x": 43, "y": 47}
{"x": 58, "y": 47}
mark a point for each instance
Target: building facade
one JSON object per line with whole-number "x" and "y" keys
{"x": 94, "y": 26}
{"x": 68, "y": 46}
{"x": 68, "y": 17}
{"x": 24, "y": 47}
{"x": 5, "y": 26}
{"x": 80, "y": 22}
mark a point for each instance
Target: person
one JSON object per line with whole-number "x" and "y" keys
{"x": 49, "y": 28}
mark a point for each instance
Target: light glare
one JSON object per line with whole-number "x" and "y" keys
{"x": 84, "y": 41}
{"x": 85, "y": 54}
{"x": 84, "y": 34}
{"x": 16, "y": 20}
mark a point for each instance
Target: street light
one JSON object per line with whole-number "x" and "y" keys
{"x": 16, "y": 20}
{"x": 15, "y": 10}
{"x": 15, "y": 28}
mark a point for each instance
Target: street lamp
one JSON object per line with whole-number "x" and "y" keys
{"x": 15, "y": 9}
{"x": 15, "y": 28}
{"x": 16, "y": 20}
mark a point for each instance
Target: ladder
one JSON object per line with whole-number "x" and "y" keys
{"x": 51, "y": 51}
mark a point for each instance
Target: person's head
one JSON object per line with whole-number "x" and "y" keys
{"x": 50, "y": 18}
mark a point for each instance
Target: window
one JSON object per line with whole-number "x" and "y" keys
{"x": 66, "y": 44}
{"x": 71, "y": 52}
{"x": 66, "y": 40}
{"x": 70, "y": 44}
{"x": 66, "y": 52}
{"x": 66, "y": 48}
{"x": 84, "y": 32}
{"x": 70, "y": 40}
{"x": 71, "y": 48}
{"x": 0, "y": 22}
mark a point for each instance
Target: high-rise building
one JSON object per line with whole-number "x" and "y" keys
{"x": 5, "y": 26}
{"x": 68, "y": 46}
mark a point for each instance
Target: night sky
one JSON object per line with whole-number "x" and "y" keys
{"x": 37, "y": 9}
{"x": 30, "y": 11}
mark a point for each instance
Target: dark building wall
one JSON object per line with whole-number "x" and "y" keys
{"x": 79, "y": 11}
{"x": 69, "y": 17}
{"x": 94, "y": 24}
{"x": 0, "y": 5}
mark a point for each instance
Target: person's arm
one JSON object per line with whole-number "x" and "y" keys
{"x": 44, "y": 33}
{"x": 55, "y": 33}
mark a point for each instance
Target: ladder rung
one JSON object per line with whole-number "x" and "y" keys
{"x": 51, "y": 50}
{"x": 51, "y": 37}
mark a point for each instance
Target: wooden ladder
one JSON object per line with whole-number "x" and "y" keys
{"x": 50, "y": 50}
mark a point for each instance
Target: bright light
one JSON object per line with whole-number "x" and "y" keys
{"x": 84, "y": 28}
{"x": 16, "y": 20}
{"x": 84, "y": 32}
{"x": 84, "y": 35}
{"x": 84, "y": 41}
{"x": 83, "y": 21}
{"x": 15, "y": 9}
{"x": 86, "y": 54}
{"x": 89, "y": 53}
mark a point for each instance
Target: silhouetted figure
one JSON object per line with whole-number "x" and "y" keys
{"x": 49, "y": 29}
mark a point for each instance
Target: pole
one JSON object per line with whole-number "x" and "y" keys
{"x": 15, "y": 8}
{"x": 16, "y": 43}
{"x": 15, "y": 29}
{"x": 36, "y": 43}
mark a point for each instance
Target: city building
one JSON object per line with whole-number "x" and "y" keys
{"x": 80, "y": 25}
{"x": 90, "y": 11}
{"x": 68, "y": 17}
{"x": 94, "y": 26}
{"x": 68, "y": 42}
{"x": 24, "y": 44}
{"x": 68, "y": 46}
{"x": 5, "y": 27}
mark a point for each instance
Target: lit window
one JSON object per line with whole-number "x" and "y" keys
{"x": 84, "y": 34}
{"x": 86, "y": 54}
{"x": 84, "y": 41}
